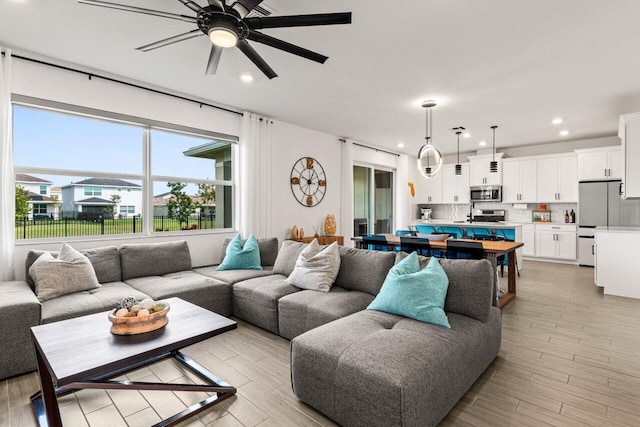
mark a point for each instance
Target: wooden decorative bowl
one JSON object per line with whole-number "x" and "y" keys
{"x": 138, "y": 324}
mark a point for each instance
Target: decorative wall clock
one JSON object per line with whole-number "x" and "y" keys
{"x": 308, "y": 181}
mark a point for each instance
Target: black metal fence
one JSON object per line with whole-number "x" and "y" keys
{"x": 43, "y": 227}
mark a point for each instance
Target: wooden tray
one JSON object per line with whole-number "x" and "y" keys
{"x": 138, "y": 324}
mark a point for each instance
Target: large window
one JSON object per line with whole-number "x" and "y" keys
{"x": 94, "y": 166}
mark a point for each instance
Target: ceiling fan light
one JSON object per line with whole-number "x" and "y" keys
{"x": 223, "y": 37}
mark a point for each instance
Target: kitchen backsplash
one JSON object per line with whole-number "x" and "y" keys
{"x": 460, "y": 212}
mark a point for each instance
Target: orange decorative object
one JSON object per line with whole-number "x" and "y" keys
{"x": 330, "y": 225}
{"x": 295, "y": 180}
{"x": 309, "y": 162}
{"x": 294, "y": 232}
{"x": 309, "y": 200}
{"x": 322, "y": 183}
{"x": 412, "y": 189}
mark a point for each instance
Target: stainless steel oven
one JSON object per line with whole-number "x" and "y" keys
{"x": 486, "y": 193}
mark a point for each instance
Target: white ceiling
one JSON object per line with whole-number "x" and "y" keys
{"x": 513, "y": 63}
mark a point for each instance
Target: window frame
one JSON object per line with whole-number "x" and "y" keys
{"x": 146, "y": 178}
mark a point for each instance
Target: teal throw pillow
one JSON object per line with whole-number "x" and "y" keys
{"x": 241, "y": 256}
{"x": 418, "y": 294}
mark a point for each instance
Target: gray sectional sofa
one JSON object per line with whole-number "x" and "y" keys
{"x": 358, "y": 367}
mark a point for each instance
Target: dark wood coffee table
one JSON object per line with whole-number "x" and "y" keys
{"x": 81, "y": 353}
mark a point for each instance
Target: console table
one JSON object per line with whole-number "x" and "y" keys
{"x": 323, "y": 240}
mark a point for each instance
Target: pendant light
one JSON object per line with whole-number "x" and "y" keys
{"x": 458, "y": 168}
{"x": 493, "y": 166}
{"x": 429, "y": 158}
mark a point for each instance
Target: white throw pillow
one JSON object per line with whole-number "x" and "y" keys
{"x": 316, "y": 268}
{"x": 70, "y": 272}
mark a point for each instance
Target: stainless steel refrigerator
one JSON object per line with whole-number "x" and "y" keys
{"x": 600, "y": 204}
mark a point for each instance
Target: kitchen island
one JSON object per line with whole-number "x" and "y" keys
{"x": 615, "y": 264}
{"x": 510, "y": 230}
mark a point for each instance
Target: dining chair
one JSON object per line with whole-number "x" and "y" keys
{"x": 415, "y": 244}
{"x": 500, "y": 261}
{"x": 464, "y": 250}
{"x": 425, "y": 229}
{"x": 375, "y": 242}
{"x": 509, "y": 236}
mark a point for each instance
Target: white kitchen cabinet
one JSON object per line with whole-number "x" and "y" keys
{"x": 455, "y": 188}
{"x": 529, "y": 240}
{"x": 629, "y": 133}
{"x": 556, "y": 241}
{"x": 558, "y": 178}
{"x": 520, "y": 179}
{"x": 615, "y": 270}
{"x": 479, "y": 170}
{"x": 600, "y": 163}
{"x": 433, "y": 188}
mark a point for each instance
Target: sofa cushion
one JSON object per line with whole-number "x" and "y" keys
{"x": 106, "y": 297}
{"x": 363, "y": 270}
{"x": 105, "y": 262}
{"x": 154, "y": 259}
{"x": 287, "y": 257}
{"x": 471, "y": 284}
{"x": 373, "y": 368}
{"x": 305, "y": 310}
{"x": 268, "y": 250}
{"x": 256, "y": 300}
{"x": 68, "y": 273}
{"x": 232, "y": 277}
{"x": 316, "y": 268}
{"x": 204, "y": 291}
{"x": 413, "y": 292}
{"x": 241, "y": 255}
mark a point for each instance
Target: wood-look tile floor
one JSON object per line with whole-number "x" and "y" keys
{"x": 570, "y": 356}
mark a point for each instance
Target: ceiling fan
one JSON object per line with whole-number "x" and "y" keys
{"x": 229, "y": 26}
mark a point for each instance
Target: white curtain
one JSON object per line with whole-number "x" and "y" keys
{"x": 404, "y": 199}
{"x": 347, "y": 191}
{"x": 255, "y": 176}
{"x": 7, "y": 189}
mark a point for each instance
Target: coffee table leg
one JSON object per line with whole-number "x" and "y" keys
{"x": 45, "y": 402}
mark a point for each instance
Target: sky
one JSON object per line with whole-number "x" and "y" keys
{"x": 48, "y": 139}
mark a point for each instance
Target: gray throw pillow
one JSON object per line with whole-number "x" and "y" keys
{"x": 316, "y": 268}
{"x": 70, "y": 272}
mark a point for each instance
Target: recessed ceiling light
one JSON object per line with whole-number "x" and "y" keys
{"x": 400, "y": 145}
{"x": 466, "y": 135}
{"x": 439, "y": 100}
{"x": 564, "y": 132}
{"x": 247, "y": 78}
{"x": 482, "y": 143}
{"x": 556, "y": 121}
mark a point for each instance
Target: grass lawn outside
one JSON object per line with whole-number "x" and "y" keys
{"x": 68, "y": 227}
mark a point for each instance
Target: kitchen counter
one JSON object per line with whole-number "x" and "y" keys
{"x": 616, "y": 269}
{"x": 465, "y": 224}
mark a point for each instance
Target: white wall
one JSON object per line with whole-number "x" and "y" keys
{"x": 290, "y": 143}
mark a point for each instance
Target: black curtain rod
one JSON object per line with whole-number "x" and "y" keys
{"x": 109, "y": 79}
{"x": 371, "y": 148}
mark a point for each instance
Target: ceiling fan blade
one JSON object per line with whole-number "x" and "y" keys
{"x": 256, "y": 59}
{"x": 286, "y": 46}
{"x": 243, "y": 7}
{"x": 219, "y": 4}
{"x": 214, "y": 59}
{"x": 299, "y": 20}
{"x": 144, "y": 11}
{"x": 191, "y": 5}
{"x": 171, "y": 40}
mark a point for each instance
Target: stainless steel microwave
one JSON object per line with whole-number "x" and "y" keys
{"x": 486, "y": 193}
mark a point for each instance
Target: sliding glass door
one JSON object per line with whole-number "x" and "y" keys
{"x": 372, "y": 201}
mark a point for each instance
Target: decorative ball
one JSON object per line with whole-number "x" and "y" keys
{"x": 128, "y": 302}
{"x": 135, "y": 309}
{"x": 143, "y": 312}
{"x": 147, "y": 303}
{"x": 123, "y": 312}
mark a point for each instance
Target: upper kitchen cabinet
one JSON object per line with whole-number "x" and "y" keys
{"x": 433, "y": 188}
{"x": 600, "y": 163}
{"x": 558, "y": 178}
{"x": 629, "y": 133}
{"x": 455, "y": 188}
{"x": 519, "y": 177}
{"x": 479, "y": 170}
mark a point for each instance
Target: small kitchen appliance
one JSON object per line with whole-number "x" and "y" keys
{"x": 426, "y": 213}
{"x": 486, "y": 193}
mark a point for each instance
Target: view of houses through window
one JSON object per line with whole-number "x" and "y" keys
{"x": 79, "y": 175}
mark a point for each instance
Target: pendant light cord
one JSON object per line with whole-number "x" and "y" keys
{"x": 494, "y": 143}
